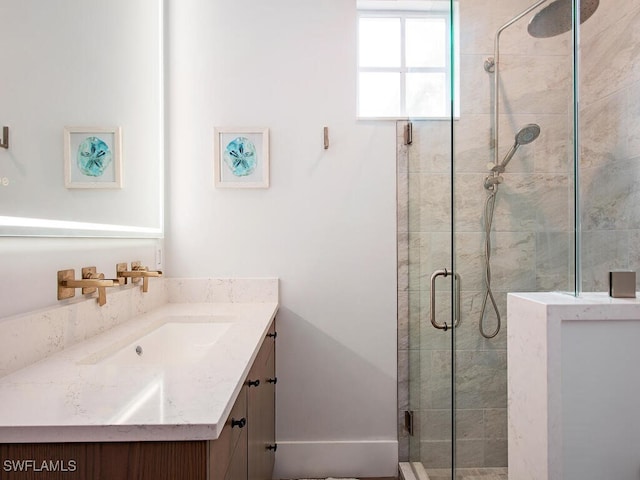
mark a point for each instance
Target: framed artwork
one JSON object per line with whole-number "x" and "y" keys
{"x": 241, "y": 157}
{"x": 92, "y": 157}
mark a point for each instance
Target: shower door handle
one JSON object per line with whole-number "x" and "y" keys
{"x": 456, "y": 287}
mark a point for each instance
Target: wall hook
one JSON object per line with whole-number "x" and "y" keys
{"x": 326, "y": 138}
{"x": 4, "y": 142}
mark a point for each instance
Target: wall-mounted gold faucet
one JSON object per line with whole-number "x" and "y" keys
{"x": 90, "y": 282}
{"x": 136, "y": 273}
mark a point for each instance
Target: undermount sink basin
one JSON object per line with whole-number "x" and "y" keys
{"x": 175, "y": 341}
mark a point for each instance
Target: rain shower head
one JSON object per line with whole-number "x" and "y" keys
{"x": 556, "y": 18}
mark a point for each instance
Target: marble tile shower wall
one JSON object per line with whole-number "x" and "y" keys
{"x": 610, "y": 143}
{"x": 531, "y": 231}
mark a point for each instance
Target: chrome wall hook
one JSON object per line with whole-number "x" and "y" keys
{"x": 4, "y": 142}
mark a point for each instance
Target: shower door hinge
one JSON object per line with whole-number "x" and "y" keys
{"x": 408, "y": 421}
{"x": 408, "y": 133}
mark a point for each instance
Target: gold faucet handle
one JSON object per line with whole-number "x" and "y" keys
{"x": 96, "y": 281}
{"x": 138, "y": 272}
{"x": 91, "y": 280}
{"x": 90, "y": 273}
{"x": 144, "y": 271}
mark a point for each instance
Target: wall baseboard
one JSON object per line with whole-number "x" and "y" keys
{"x": 336, "y": 459}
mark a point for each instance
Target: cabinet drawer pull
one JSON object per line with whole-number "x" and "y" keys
{"x": 273, "y": 380}
{"x": 273, "y": 447}
{"x": 238, "y": 423}
{"x": 253, "y": 383}
{"x": 272, "y": 335}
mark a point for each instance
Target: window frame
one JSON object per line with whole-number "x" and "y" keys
{"x": 403, "y": 69}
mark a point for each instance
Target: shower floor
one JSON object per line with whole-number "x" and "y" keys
{"x": 415, "y": 471}
{"x": 469, "y": 474}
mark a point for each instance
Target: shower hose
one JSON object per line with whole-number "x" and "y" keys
{"x": 488, "y": 220}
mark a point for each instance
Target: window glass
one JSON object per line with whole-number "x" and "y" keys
{"x": 379, "y": 94}
{"x": 379, "y": 44}
{"x": 425, "y": 40}
{"x": 427, "y": 93}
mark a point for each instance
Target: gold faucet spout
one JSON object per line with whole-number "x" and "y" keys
{"x": 140, "y": 273}
{"x": 89, "y": 283}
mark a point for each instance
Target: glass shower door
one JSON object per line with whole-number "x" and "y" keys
{"x": 430, "y": 295}
{"x": 481, "y": 222}
{"x": 426, "y": 245}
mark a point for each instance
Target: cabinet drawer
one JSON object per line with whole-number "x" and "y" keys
{"x": 221, "y": 450}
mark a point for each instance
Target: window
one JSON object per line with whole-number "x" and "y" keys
{"x": 404, "y": 60}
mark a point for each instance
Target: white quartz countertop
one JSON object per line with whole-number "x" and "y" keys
{"x": 586, "y": 298}
{"x": 77, "y": 396}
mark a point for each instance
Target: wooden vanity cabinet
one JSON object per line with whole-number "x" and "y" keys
{"x": 261, "y": 406}
{"x": 239, "y": 453}
{"x": 248, "y": 451}
{"x": 228, "y": 454}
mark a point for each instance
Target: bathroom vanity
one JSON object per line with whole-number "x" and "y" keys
{"x": 573, "y": 387}
{"x": 185, "y": 391}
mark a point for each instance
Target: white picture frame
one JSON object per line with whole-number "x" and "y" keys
{"x": 241, "y": 157}
{"x": 85, "y": 150}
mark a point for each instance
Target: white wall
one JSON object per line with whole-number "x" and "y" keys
{"x": 325, "y": 227}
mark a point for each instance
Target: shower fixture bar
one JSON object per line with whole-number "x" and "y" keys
{"x": 554, "y": 19}
{"x": 493, "y": 65}
{"x": 489, "y": 64}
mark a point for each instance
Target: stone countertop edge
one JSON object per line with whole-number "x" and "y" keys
{"x": 569, "y": 299}
{"x": 64, "y": 399}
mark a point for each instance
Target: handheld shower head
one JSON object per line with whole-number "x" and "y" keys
{"x": 528, "y": 134}
{"x": 525, "y": 135}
